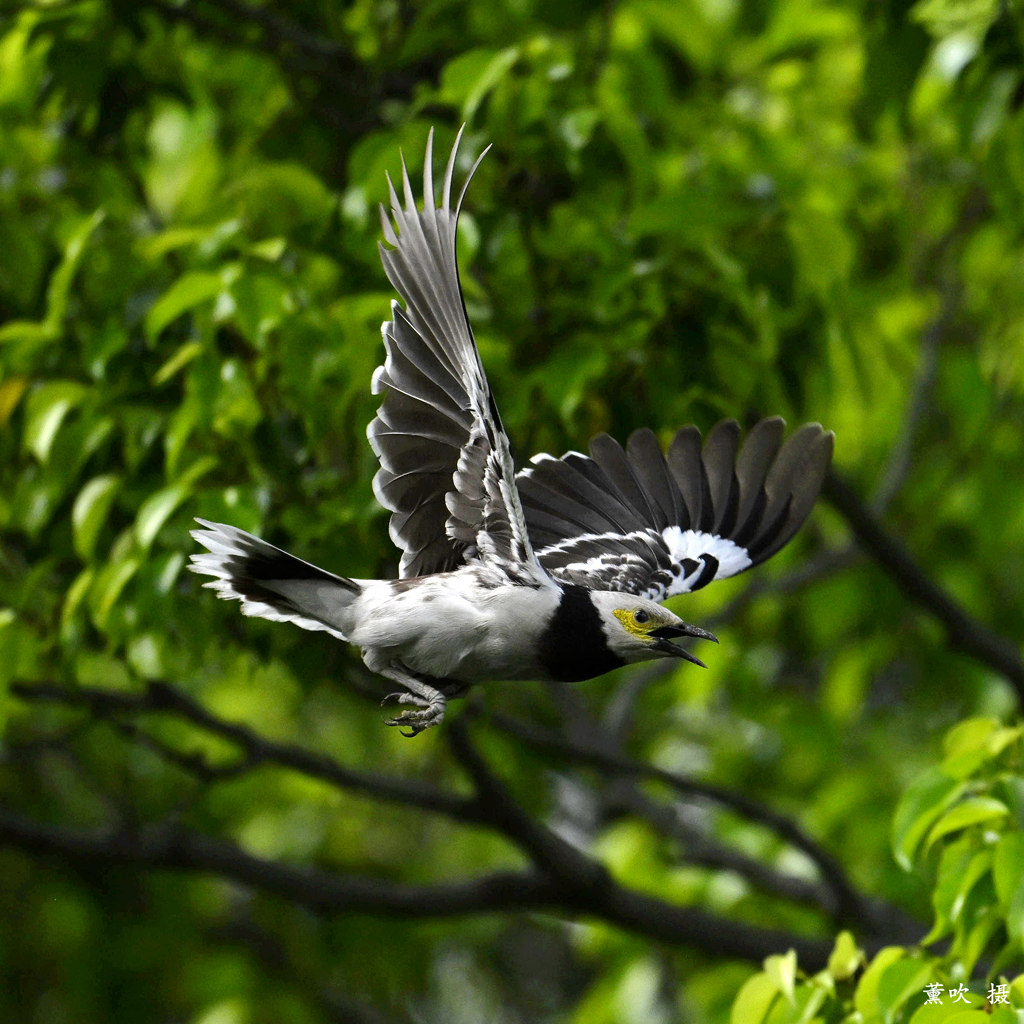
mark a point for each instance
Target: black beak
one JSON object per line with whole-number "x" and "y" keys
{"x": 666, "y": 634}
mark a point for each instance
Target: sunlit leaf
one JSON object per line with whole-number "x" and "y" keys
{"x": 866, "y": 998}
{"x": 189, "y": 291}
{"x": 185, "y": 354}
{"x": 47, "y": 407}
{"x": 845, "y": 958}
{"x": 11, "y": 391}
{"x": 107, "y": 587}
{"x": 90, "y": 511}
{"x": 1008, "y": 875}
{"x": 754, "y": 1000}
{"x": 921, "y": 805}
{"x": 160, "y": 506}
{"x": 470, "y": 77}
{"x": 972, "y": 811}
{"x": 781, "y": 969}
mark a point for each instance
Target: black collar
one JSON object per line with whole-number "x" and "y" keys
{"x": 574, "y": 646}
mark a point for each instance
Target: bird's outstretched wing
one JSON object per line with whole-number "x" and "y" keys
{"x": 446, "y": 472}
{"x": 655, "y": 524}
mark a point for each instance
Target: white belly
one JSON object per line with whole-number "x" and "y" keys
{"x": 450, "y": 627}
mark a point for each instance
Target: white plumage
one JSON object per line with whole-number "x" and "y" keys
{"x": 552, "y": 573}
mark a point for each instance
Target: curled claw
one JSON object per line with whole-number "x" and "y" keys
{"x": 427, "y": 713}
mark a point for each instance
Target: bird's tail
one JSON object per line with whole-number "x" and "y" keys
{"x": 270, "y": 582}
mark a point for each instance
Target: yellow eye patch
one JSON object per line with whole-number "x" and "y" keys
{"x": 628, "y": 618}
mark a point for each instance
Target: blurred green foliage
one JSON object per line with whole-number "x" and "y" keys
{"x": 693, "y": 209}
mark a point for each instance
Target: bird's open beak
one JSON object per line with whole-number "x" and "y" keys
{"x": 664, "y": 636}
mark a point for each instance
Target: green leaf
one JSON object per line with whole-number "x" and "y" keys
{"x": 952, "y": 864}
{"x": 25, "y": 332}
{"x": 845, "y": 958}
{"x": 261, "y": 302}
{"x": 46, "y": 408}
{"x": 969, "y": 946}
{"x": 189, "y": 291}
{"x": 107, "y": 588}
{"x": 781, "y": 968}
{"x": 970, "y": 734}
{"x": 865, "y": 996}
{"x": 185, "y": 354}
{"x": 754, "y": 1000}
{"x": 944, "y": 18}
{"x": 184, "y": 166}
{"x": 50, "y": 327}
{"x": 467, "y": 79}
{"x": 900, "y": 981}
{"x": 945, "y": 1013}
{"x": 821, "y": 244}
{"x": 270, "y": 249}
{"x": 280, "y": 198}
{"x": 1008, "y": 875}
{"x": 159, "y": 507}
{"x": 972, "y": 743}
{"x": 90, "y": 511}
{"x": 972, "y": 811}
{"x": 925, "y": 799}
{"x": 60, "y": 283}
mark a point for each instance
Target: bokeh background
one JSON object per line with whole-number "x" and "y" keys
{"x": 693, "y": 209}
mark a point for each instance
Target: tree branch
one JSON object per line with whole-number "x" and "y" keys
{"x": 565, "y": 880}
{"x": 845, "y": 901}
{"x": 166, "y": 699}
{"x": 502, "y": 892}
{"x": 964, "y": 632}
{"x": 549, "y": 851}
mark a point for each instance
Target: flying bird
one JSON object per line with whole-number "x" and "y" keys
{"x": 553, "y": 572}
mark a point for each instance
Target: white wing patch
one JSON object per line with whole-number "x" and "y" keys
{"x": 650, "y": 563}
{"x": 683, "y": 544}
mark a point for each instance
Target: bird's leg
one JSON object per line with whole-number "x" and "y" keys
{"x": 429, "y": 701}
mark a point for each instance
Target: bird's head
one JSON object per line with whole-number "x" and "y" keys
{"x": 638, "y": 629}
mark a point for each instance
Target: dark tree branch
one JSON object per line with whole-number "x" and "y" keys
{"x": 875, "y": 918}
{"x": 162, "y": 698}
{"x": 623, "y": 797}
{"x": 502, "y": 892}
{"x": 549, "y": 852}
{"x": 845, "y": 901}
{"x": 565, "y": 879}
{"x": 180, "y": 850}
{"x": 964, "y": 632}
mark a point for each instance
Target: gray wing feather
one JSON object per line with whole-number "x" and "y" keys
{"x": 656, "y": 524}
{"x": 446, "y": 472}
{"x": 688, "y": 472}
{"x": 645, "y": 456}
{"x": 719, "y": 459}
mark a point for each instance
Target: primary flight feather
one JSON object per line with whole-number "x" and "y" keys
{"x": 554, "y": 572}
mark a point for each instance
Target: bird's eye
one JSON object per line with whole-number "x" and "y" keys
{"x": 641, "y": 616}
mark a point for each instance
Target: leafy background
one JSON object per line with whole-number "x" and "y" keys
{"x": 693, "y": 209}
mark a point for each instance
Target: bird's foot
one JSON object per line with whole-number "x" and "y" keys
{"x": 429, "y": 712}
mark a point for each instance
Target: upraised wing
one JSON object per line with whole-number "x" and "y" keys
{"x": 446, "y": 472}
{"x": 655, "y": 524}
